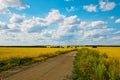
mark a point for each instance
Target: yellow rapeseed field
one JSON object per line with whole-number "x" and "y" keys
{"x": 10, "y": 52}
{"x": 111, "y": 51}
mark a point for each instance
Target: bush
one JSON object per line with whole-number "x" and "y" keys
{"x": 91, "y": 65}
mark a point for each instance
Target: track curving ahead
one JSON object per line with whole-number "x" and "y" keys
{"x": 57, "y": 68}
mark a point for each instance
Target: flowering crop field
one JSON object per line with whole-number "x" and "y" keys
{"x": 110, "y": 51}
{"x": 13, "y": 52}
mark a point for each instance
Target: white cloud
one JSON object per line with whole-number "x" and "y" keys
{"x": 93, "y": 24}
{"x": 3, "y": 25}
{"x": 117, "y": 32}
{"x": 38, "y": 24}
{"x": 97, "y": 32}
{"x": 71, "y": 9}
{"x": 55, "y": 28}
{"x": 90, "y": 8}
{"x": 99, "y": 24}
{"x": 54, "y": 17}
{"x": 70, "y": 25}
{"x": 35, "y": 24}
{"x": 116, "y": 38}
{"x": 4, "y": 11}
{"x": 48, "y": 34}
{"x": 84, "y": 25}
{"x": 68, "y": 0}
{"x": 17, "y": 4}
{"x": 117, "y": 21}
{"x": 65, "y": 30}
{"x": 14, "y": 26}
{"x": 71, "y": 20}
{"x": 103, "y": 5}
{"x": 15, "y": 18}
{"x": 106, "y": 6}
{"x": 15, "y": 22}
{"x": 112, "y": 17}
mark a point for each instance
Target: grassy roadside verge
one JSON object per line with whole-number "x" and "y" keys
{"x": 91, "y": 65}
{"x": 16, "y": 61}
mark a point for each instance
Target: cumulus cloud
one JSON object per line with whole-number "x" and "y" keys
{"x": 65, "y": 24}
{"x": 117, "y": 21}
{"x": 47, "y": 34}
{"x": 71, "y": 20}
{"x": 4, "y": 11}
{"x": 90, "y": 8}
{"x": 35, "y": 24}
{"x": 54, "y": 17}
{"x": 3, "y": 25}
{"x": 84, "y": 25}
{"x": 103, "y": 5}
{"x": 70, "y": 25}
{"x": 17, "y": 4}
{"x": 15, "y": 22}
{"x": 18, "y": 23}
{"x": 93, "y": 24}
{"x": 97, "y": 32}
{"x": 71, "y": 9}
{"x": 117, "y": 32}
{"x": 65, "y": 29}
{"x": 99, "y": 24}
{"x": 68, "y": 0}
{"x": 106, "y": 5}
{"x": 14, "y": 26}
{"x": 116, "y": 38}
{"x": 15, "y": 18}
{"x": 38, "y": 24}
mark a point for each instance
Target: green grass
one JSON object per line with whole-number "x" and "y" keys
{"x": 7, "y": 64}
{"x": 91, "y": 65}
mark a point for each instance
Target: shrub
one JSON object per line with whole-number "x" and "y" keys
{"x": 91, "y": 65}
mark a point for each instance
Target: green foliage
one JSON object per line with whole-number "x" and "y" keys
{"x": 91, "y": 65}
{"x": 114, "y": 69}
{"x": 5, "y": 65}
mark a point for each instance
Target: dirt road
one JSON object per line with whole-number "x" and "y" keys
{"x": 57, "y": 68}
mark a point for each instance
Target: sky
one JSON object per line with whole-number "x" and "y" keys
{"x": 59, "y": 22}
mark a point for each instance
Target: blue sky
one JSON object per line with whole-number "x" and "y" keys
{"x": 59, "y": 22}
